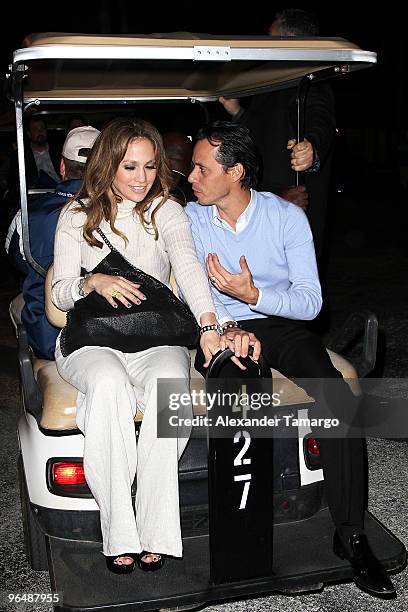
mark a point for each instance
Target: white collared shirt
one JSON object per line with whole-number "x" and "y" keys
{"x": 242, "y": 221}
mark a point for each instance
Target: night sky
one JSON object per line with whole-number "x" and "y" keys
{"x": 373, "y": 99}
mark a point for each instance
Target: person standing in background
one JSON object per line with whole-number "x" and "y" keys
{"x": 272, "y": 119}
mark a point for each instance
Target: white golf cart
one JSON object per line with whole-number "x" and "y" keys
{"x": 61, "y": 518}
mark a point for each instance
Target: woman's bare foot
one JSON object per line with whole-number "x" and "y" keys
{"x": 150, "y": 562}
{"x": 121, "y": 564}
{"x": 123, "y": 560}
{"x": 150, "y": 557}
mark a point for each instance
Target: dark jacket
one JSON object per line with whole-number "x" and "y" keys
{"x": 272, "y": 119}
{"x": 43, "y": 215}
{"x": 34, "y": 179}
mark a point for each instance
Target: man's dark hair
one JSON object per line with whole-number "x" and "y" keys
{"x": 297, "y": 22}
{"x": 73, "y": 169}
{"x": 35, "y": 119}
{"x": 235, "y": 147}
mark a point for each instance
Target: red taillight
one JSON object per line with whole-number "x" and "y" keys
{"x": 313, "y": 447}
{"x": 65, "y": 473}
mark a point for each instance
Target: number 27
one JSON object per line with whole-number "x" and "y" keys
{"x": 246, "y": 478}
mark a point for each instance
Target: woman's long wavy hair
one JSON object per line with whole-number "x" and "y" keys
{"x": 103, "y": 162}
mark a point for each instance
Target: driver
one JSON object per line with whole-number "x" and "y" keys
{"x": 260, "y": 259}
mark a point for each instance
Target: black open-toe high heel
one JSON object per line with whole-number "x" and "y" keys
{"x": 121, "y": 568}
{"x": 153, "y": 566}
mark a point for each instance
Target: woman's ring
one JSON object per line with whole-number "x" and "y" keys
{"x": 115, "y": 293}
{"x": 213, "y": 280}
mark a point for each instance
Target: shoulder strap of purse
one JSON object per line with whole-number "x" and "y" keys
{"x": 106, "y": 241}
{"x": 100, "y": 232}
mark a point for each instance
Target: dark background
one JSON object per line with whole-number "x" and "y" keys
{"x": 372, "y": 102}
{"x": 372, "y": 144}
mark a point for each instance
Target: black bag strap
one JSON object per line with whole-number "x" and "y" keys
{"x": 106, "y": 241}
{"x": 100, "y": 232}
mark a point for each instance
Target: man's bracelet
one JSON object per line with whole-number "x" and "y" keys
{"x": 233, "y": 325}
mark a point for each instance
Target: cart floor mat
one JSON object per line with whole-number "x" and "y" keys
{"x": 303, "y": 557}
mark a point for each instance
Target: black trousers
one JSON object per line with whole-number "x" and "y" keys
{"x": 290, "y": 348}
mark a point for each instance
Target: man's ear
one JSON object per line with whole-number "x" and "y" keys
{"x": 237, "y": 172}
{"x": 62, "y": 169}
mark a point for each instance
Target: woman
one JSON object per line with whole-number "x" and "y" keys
{"x": 125, "y": 193}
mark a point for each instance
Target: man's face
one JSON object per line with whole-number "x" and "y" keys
{"x": 274, "y": 29}
{"x": 211, "y": 184}
{"x": 38, "y": 132}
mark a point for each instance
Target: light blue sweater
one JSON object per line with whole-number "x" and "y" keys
{"x": 278, "y": 246}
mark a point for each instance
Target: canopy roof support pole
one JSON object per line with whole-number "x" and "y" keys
{"x": 18, "y": 76}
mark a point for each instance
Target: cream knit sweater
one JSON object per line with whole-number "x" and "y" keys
{"x": 174, "y": 250}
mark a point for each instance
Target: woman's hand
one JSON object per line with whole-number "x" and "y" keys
{"x": 210, "y": 344}
{"x": 114, "y": 289}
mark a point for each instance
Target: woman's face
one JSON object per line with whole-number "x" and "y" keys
{"x": 137, "y": 171}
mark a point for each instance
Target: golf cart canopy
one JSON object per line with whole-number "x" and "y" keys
{"x": 72, "y": 69}
{"x": 179, "y": 66}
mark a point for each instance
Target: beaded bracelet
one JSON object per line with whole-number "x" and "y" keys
{"x": 81, "y": 284}
{"x": 233, "y": 325}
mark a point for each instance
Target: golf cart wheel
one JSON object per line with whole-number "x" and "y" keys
{"x": 34, "y": 538}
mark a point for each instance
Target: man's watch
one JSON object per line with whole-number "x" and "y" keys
{"x": 214, "y": 327}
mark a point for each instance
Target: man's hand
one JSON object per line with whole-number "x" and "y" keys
{"x": 297, "y": 195}
{"x": 235, "y": 339}
{"x": 239, "y": 341}
{"x": 302, "y": 154}
{"x": 231, "y": 105}
{"x": 240, "y": 286}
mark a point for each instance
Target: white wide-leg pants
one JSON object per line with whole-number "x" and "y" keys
{"x": 111, "y": 385}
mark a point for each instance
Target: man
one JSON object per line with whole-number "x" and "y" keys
{"x": 41, "y": 160}
{"x": 259, "y": 254}
{"x": 44, "y": 213}
{"x": 272, "y": 119}
{"x": 179, "y": 149}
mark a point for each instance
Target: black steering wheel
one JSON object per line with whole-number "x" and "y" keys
{"x": 221, "y": 359}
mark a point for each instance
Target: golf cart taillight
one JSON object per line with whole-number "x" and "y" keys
{"x": 311, "y": 451}
{"x": 313, "y": 447}
{"x": 68, "y": 474}
{"x": 65, "y": 477}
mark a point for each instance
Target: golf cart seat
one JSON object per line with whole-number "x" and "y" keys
{"x": 59, "y": 397}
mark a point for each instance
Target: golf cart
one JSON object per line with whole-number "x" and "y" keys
{"x": 243, "y": 527}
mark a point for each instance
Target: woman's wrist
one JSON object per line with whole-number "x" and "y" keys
{"x": 85, "y": 285}
{"x": 208, "y": 318}
{"x": 214, "y": 327}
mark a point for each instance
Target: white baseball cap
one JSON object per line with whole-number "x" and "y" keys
{"x": 79, "y": 142}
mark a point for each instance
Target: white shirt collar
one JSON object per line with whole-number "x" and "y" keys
{"x": 243, "y": 219}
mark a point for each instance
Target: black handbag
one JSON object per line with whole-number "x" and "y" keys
{"x": 162, "y": 319}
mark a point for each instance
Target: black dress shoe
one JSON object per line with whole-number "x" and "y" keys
{"x": 369, "y": 574}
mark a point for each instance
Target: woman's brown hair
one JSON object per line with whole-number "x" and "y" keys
{"x": 108, "y": 151}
